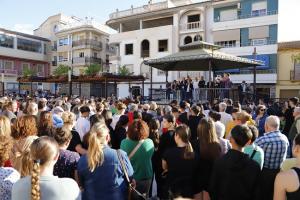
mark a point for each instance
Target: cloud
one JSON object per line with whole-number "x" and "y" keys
{"x": 24, "y": 28}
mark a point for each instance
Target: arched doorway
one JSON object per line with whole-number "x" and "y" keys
{"x": 145, "y": 49}
{"x": 188, "y": 39}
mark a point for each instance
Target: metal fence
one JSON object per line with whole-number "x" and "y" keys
{"x": 197, "y": 95}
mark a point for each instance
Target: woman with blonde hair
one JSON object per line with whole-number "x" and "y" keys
{"x": 24, "y": 132}
{"x": 207, "y": 149}
{"x": 75, "y": 145}
{"x": 8, "y": 175}
{"x": 5, "y": 126}
{"x": 42, "y": 184}
{"x": 102, "y": 165}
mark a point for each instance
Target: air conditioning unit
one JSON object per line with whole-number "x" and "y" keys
{"x": 239, "y": 6}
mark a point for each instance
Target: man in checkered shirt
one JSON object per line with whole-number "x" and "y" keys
{"x": 275, "y": 146}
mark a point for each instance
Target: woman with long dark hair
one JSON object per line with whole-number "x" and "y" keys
{"x": 120, "y": 131}
{"x": 207, "y": 149}
{"x": 179, "y": 164}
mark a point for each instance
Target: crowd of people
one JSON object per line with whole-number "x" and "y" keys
{"x": 197, "y": 89}
{"x": 71, "y": 148}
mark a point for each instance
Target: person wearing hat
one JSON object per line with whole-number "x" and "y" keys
{"x": 57, "y": 120}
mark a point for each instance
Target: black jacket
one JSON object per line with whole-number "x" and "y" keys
{"x": 235, "y": 177}
{"x": 289, "y": 120}
{"x": 193, "y": 123}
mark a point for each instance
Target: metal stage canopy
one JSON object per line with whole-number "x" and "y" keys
{"x": 202, "y": 56}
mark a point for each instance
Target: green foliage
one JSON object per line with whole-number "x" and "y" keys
{"x": 93, "y": 69}
{"x": 28, "y": 72}
{"x": 296, "y": 58}
{"x": 61, "y": 70}
{"x": 124, "y": 71}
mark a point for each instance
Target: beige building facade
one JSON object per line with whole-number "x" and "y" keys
{"x": 288, "y": 80}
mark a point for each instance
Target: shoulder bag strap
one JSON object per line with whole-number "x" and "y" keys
{"x": 123, "y": 166}
{"x": 135, "y": 149}
{"x": 253, "y": 153}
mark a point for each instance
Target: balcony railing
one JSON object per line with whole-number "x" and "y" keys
{"x": 10, "y": 72}
{"x": 139, "y": 10}
{"x": 87, "y": 60}
{"x": 63, "y": 60}
{"x": 294, "y": 76}
{"x": 87, "y": 42}
{"x": 273, "y": 12}
{"x": 251, "y": 43}
{"x": 190, "y": 26}
{"x": 260, "y": 42}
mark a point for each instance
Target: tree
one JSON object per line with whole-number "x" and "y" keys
{"x": 124, "y": 71}
{"x": 93, "y": 69}
{"x": 61, "y": 70}
{"x": 28, "y": 72}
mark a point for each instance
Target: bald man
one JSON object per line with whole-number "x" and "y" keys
{"x": 275, "y": 146}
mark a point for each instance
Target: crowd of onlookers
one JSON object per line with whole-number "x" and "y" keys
{"x": 96, "y": 148}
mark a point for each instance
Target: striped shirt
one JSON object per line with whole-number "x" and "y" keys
{"x": 275, "y": 146}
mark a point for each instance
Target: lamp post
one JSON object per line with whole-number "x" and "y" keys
{"x": 254, "y": 74}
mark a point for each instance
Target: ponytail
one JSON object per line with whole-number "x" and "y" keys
{"x": 95, "y": 154}
{"x": 35, "y": 181}
{"x": 188, "y": 152}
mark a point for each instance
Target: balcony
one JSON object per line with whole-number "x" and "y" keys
{"x": 260, "y": 42}
{"x": 190, "y": 26}
{"x": 54, "y": 48}
{"x": 294, "y": 76}
{"x": 86, "y": 61}
{"x": 87, "y": 43}
{"x": 252, "y": 15}
{"x": 139, "y": 10}
{"x": 9, "y": 72}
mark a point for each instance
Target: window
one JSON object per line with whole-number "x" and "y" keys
{"x": 81, "y": 54}
{"x": 29, "y": 45}
{"x": 145, "y": 49}
{"x": 8, "y": 64}
{"x": 162, "y": 45}
{"x": 259, "y": 42}
{"x": 40, "y": 68}
{"x": 231, "y": 43}
{"x": 227, "y": 15}
{"x": 128, "y": 49}
{"x": 6, "y": 41}
{"x": 95, "y": 55}
{"x": 259, "y": 8}
{"x": 25, "y": 66}
{"x": 188, "y": 39}
{"x": 63, "y": 42}
{"x": 197, "y": 38}
{"x": 193, "y": 18}
{"x": 55, "y": 28}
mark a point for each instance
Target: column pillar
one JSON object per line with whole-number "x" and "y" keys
{"x": 141, "y": 24}
{"x": 121, "y": 28}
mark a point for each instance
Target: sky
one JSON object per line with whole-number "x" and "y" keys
{"x": 27, "y": 15}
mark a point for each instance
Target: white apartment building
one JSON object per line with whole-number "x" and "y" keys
{"x": 158, "y": 29}
{"x": 76, "y": 43}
